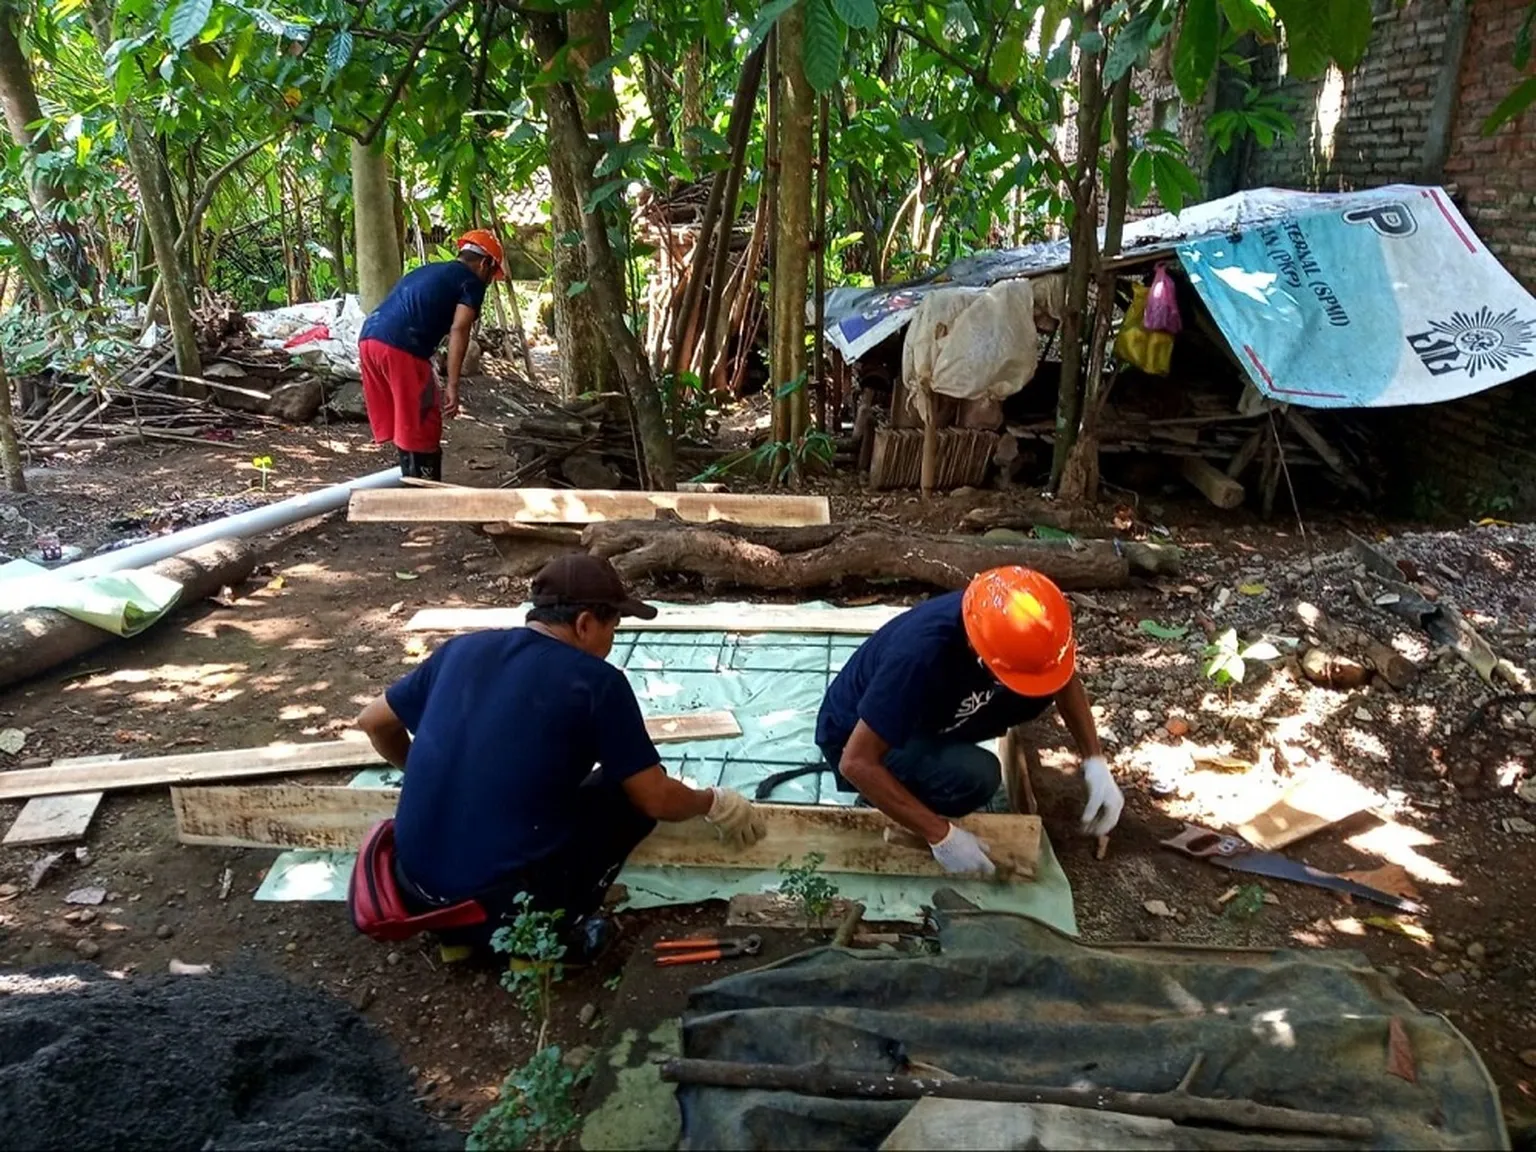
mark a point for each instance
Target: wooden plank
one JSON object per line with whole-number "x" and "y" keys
{"x": 750, "y": 618}
{"x": 851, "y": 839}
{"x": 58, "y": 819}
{"x": 1214, "y": 484}
{"x": 238, "y": 763}
{"x": 1313, "y": 803}
{"x": 578, "y": 506}
{"x": 52, "y": 819}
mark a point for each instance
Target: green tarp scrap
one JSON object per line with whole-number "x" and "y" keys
{"x": 122, "y": 603}
{"x": 1010, "y": 1000}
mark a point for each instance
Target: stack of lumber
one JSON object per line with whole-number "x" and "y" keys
{"x": 963, "y": 457}
{"x": 63, "y": 797}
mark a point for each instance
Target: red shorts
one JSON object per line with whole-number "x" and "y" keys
{"x": 401, "y": 398}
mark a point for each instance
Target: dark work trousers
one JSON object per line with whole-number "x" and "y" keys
{"x": 421, "y": 465}
{"x": 952, "y": 779}
{"x": 571, "y": 880}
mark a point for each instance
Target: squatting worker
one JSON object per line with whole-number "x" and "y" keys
{"x": 399, "y": 339}
{"x": 528, "y": 767}
{"x": 901, "y": 721}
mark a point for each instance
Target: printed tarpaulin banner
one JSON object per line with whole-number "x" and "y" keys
{"x": 1366, "y": 300}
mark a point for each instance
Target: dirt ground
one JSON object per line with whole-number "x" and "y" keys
{"x": 295, "y": 653}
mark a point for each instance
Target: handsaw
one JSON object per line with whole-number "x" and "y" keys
{"x": 1238, "y": 855}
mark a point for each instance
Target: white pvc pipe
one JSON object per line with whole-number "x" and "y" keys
{"x": 257, "y": 520}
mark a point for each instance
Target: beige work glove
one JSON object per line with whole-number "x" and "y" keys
{"x": 734, "y": 818}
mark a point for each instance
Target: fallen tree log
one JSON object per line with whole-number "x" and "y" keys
{"x": 784, "y": 559}
{"x": 36, "y": 639}
{"x": 1347, "y": 651}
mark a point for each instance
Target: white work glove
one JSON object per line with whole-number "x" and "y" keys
{"x": 735, "y": 818}
{"x": 1105, "y": 803}
{"x": 959, "y": 851}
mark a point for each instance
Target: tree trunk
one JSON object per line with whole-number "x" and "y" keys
{"x": 10, "y": 451}
{"x": 338, "y": 242}
{"x": 739, "y": 133}
{"x": 31, "y": 269}
{"x": 41, "y": 638}
{"x": 800, "y": 559}
{"x": 377, "y": 248}
{"x": 159, "y": 218}
{"x": 824, "y": 419}
{"x": 1080, "y": 476}
{"x": 586, "y": 365}
{"x": 693, "y": 103}
{"x": 1085, "y": 245}
{"x": 656, "y": 97}
{"x": 792, "y": 258}
{"x": 162, "y": 235}
{"x": 18, "y": 97}
{"x": 571, "y": 151}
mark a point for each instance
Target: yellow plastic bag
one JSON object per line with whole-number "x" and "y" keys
{"x": 1152, "y": 352}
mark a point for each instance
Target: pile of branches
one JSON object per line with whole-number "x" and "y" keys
{"x": 587, "y": 444}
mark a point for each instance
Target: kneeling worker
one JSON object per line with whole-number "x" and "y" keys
{"x": 901, "y": 721}
{"x": 528, "y": 767}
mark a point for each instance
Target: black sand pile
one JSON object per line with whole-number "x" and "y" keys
{"x": 196, "y": 1062}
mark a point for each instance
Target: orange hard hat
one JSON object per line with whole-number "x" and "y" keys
{"x": 1020, "y": 625}
{"x": 484, "y": 243}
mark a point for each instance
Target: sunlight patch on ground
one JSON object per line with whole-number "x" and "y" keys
{"x": 1399, "y": 844}
{"x": 300, "y": 711}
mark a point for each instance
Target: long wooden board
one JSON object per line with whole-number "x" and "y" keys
{"x": 851, "y": 839}
{"x": 684, "y": 618}
{"x": 581, "y": 506}
{"x": 237, "y": 763}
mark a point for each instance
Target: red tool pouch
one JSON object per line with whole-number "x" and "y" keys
{"x": 374, "y": 899}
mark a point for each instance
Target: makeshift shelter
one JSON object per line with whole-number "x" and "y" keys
{"x": 1310, "y": 300}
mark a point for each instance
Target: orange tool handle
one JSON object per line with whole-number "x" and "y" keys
{"x": 685, "y": 945}
{"x": 690, "y": 958}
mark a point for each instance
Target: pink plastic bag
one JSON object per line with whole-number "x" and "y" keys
{"x": 1163, "y": 305}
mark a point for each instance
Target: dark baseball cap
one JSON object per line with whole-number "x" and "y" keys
{"x": 581, "y": 578}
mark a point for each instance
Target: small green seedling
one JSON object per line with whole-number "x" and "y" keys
{"x": 533, "y": 944}
{"x": 805, "y": 883}
{"x": 262, "y": 464}
{"x": 533, "y": 1108}
{"x": 1226, "y": 660}
{"x": 1247, "y": 904}
{"x": 1163, "y": 631}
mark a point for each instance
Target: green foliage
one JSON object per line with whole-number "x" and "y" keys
{"x": 804, "y": 882}
{"x": 1226, "y": 659}
{"x": 1161, "y": 164}
{"x": 533, "y": 1107}
{"x": 533, "y": 943}
{"x": 1512, "y": 106}
{"x": 1247, "y": 904}
{"x": 1163, "y": 631}
{"x": 1194, "y": 57}
{"x": 1263, "y": 116}
{"x": 825, "y": 34}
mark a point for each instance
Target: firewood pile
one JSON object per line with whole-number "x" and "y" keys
{"x": 588, "y": 444}
{"x": 144, "y": 399}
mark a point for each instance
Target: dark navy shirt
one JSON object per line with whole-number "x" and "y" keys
{"x": 918, "y": 677}
{"x": 418, "y": 312}
{"x": 507, "y": 726}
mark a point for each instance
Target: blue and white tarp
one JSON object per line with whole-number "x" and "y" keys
{"x": 1329, "y": 300}
{"x": 1366, "y": 300}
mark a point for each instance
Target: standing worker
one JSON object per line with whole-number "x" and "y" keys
{"x": 528, "y": 768}
{"x": 400, "y": 337}
{"x": 901, "y": 721}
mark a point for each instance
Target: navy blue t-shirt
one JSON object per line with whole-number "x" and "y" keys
{"x": 506, "y": 726}
{"x": 418, "y": 312}
{"x": 918, "y": 677}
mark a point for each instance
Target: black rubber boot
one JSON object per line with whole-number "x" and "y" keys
{"x": 429, "y": 465}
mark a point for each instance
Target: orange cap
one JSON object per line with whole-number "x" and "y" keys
{"x": 1020, "y": 625}
{"x": 485, "y": 243}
